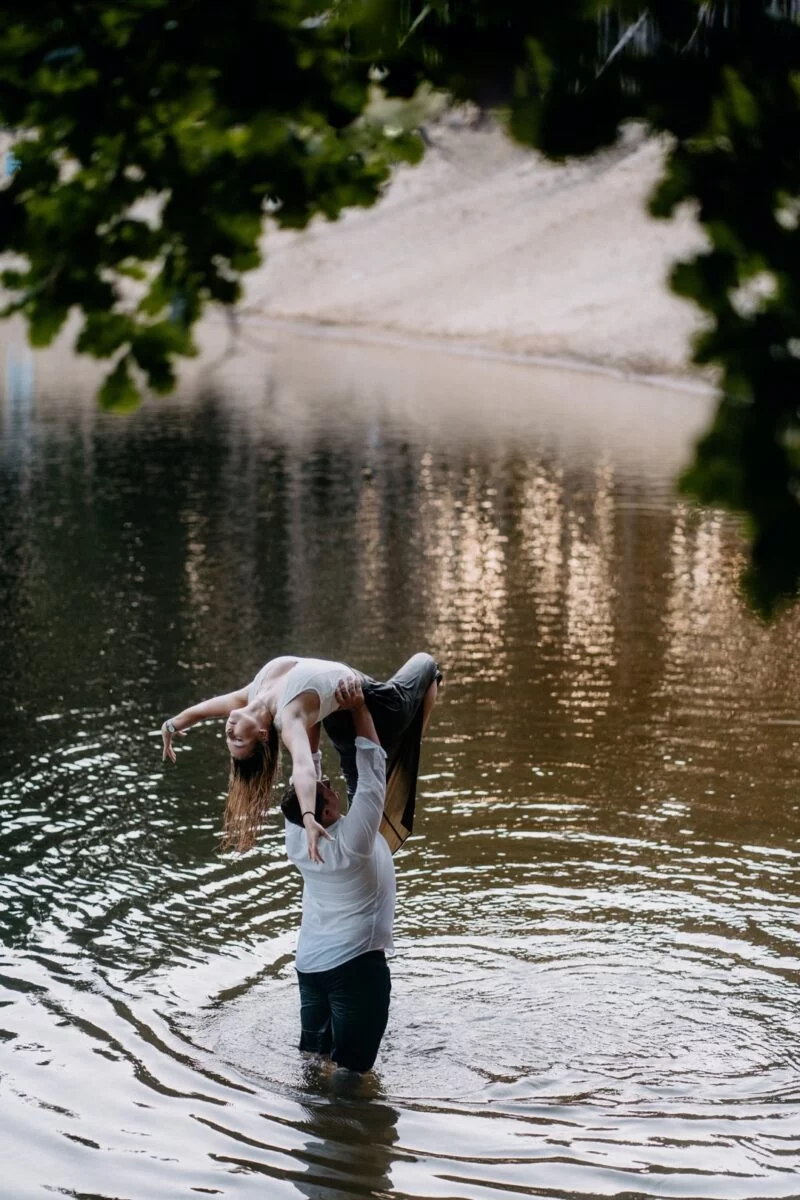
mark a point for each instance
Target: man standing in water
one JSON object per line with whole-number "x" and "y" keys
{"x": 348, "y": 906}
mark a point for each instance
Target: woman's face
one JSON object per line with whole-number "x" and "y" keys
{"x": 242, "y": 734}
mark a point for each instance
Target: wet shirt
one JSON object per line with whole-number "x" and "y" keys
{"x": 348, "y": 900}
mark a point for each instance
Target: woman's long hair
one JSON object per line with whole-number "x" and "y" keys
{"x": 249, "y": 786}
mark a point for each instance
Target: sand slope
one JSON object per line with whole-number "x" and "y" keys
{"x": 487, "y": 242}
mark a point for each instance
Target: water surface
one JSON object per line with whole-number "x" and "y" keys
{"x": 595, "y": 991}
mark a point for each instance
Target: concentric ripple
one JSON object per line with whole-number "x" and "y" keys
{"x": 595, "y": 990}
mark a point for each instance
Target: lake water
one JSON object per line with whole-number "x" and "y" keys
{"x": 596, "y": 984}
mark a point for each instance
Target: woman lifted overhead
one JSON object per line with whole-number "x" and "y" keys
{"x": 285, "y": 703}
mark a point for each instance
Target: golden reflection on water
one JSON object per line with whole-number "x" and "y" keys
{"x": 704, "y": 612}
{"x": 464, "y": 550}
{"x": 369, "y": 570}
{"x": 589, "y": 599}
{"x": 541, "y": 523}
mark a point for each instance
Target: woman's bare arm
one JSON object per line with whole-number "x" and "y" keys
{"x": 294, "y": 735}
{"x": 217, "y": 706}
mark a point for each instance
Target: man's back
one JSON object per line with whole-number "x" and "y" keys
{"x": 349, "y": 899}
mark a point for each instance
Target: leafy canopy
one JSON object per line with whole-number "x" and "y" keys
{"x": 152, "y": 136}
{"x": 722, "y": 80}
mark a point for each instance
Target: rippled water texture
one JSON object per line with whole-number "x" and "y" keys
{"x": 596, "y": 989}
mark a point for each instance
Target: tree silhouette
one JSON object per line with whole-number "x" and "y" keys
{"x": 152, "y": 138}
{"x": 722, "y": 81}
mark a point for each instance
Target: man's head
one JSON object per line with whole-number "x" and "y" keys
{"x": 328, "y": 808}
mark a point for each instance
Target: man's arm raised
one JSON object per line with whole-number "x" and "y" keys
{"x": 366, "y": 811}
{"x": 362, "y": 719}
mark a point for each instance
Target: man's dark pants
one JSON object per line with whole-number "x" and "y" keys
{"x": 343, "y": 1012}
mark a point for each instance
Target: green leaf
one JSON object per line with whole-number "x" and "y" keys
{"x": 119, "y": 393}
{"x": 155, "y": 346}
{"x": 45, "y": 322}
{"x": 104, "y": 333}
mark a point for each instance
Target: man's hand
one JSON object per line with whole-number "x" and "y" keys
{"x": 314, "y": 831}
{"x": 349, "y": 693}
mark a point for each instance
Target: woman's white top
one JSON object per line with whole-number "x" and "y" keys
{"x": 319, "y": 675}
{"x": 348, "y": 900}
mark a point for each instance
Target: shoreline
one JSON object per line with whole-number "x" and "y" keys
{"x": 486, "y": 250}
{"x": 357, "y": 334}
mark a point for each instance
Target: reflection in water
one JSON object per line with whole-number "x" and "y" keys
{"x": 19, "y": 382}
{"x": 464, "y": 554}
{"x": 589, "y": 600}
{"x": 347, "y": 1142}
{"x": 595, "y": 990}
{"x": 541, "y": 522}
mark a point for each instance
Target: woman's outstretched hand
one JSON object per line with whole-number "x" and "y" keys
{"x": 349, "y": 693}
{"x": 166, "y": 737}
{"x": 315, "y": 831}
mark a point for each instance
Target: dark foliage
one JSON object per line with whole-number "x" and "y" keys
{"x": 154, "y": 135}
{"x": 151, "y": 138}
{"x": 722, "y": 81}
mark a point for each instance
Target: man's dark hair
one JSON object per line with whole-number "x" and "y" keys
{"x": 290, "y": 805}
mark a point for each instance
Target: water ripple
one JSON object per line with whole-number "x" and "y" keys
{"x": 595, "y": 986}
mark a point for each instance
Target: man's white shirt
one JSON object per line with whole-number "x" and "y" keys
{"x": 349, "y": 899}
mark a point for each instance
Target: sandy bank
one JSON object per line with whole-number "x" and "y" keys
{"x": 486, "y": 244}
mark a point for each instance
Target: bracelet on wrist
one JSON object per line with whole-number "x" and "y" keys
{"x": 170, "y": 726}
{"x": 308, "y": 814}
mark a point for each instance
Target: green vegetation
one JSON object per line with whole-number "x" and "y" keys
{"x": 151, "y": 139}
{"x": 154, "y": 136}
{"x": 722, "y": 80}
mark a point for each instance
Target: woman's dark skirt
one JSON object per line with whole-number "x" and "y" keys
{"x": 396, "y": 708}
